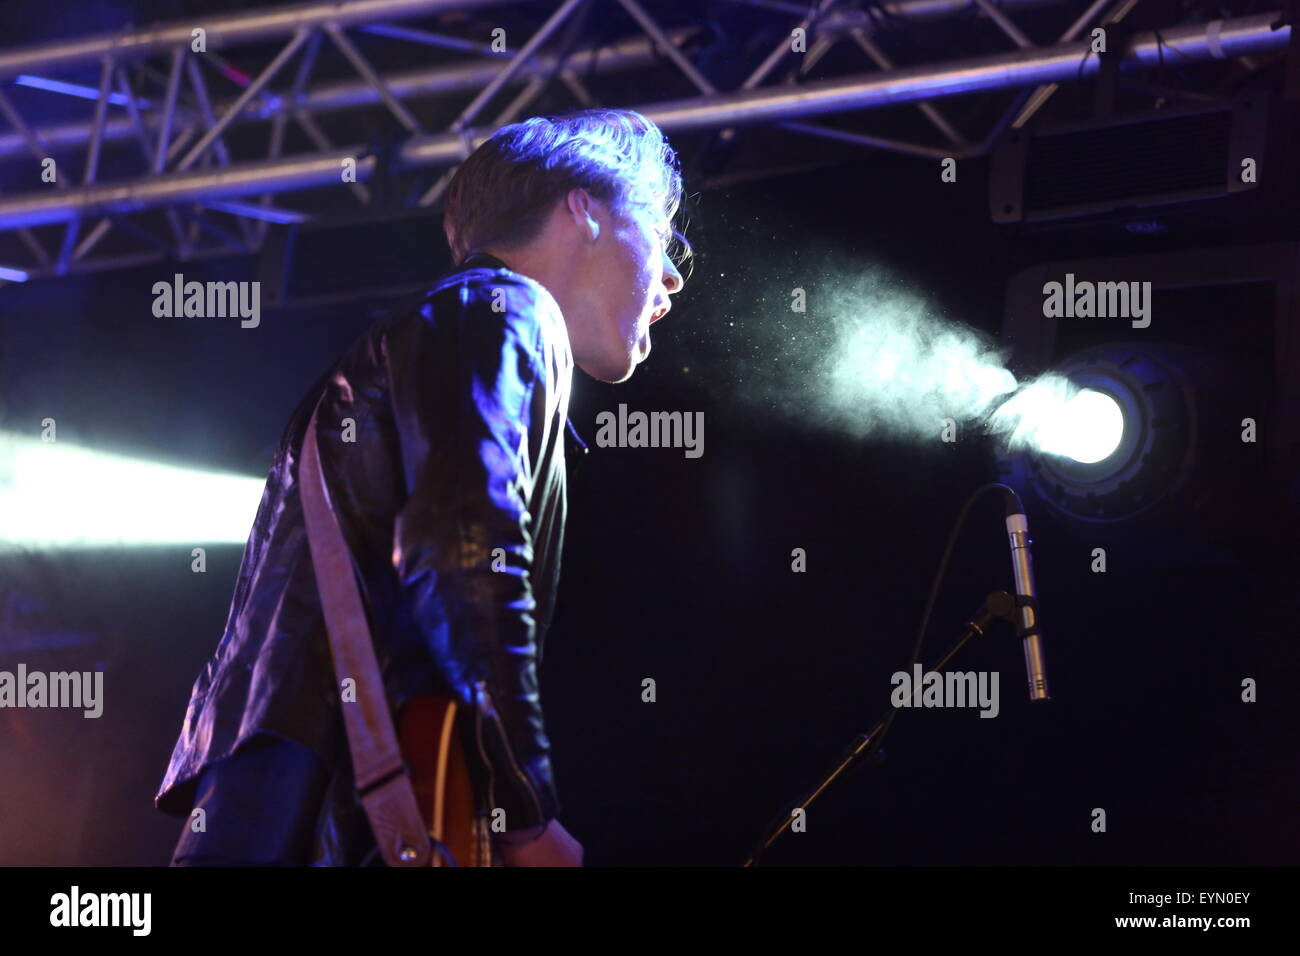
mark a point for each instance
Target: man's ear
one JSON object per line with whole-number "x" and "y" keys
{"x": 581, "y": 206}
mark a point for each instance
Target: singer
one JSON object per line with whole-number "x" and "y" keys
{"x": 451, "y": 498}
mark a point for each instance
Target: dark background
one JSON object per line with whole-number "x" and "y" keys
{"x": 679, "y": 570}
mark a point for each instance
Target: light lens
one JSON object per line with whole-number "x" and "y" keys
{"x": 1088, "y": 429}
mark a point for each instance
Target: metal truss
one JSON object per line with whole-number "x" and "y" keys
{"x": 200, "y": 172}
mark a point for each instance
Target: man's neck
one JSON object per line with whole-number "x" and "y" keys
{"x": 538, "y": 266}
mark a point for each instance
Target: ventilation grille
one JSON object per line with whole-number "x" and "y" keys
{"x": 1166, "y": 157}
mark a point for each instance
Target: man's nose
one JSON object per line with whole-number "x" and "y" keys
{"x": 673, "y": 282}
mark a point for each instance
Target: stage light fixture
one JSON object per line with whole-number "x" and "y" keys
{"x": 1122, "y": 444}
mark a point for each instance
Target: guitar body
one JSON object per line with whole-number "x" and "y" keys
{"x": 431, "y": 746}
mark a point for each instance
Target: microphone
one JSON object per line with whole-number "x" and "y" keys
{"x": 1022, "y": 567}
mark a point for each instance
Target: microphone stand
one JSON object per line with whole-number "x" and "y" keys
{"x": 999, "y": 605}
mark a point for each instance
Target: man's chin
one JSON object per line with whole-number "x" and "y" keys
{"x": 610, "y": 373}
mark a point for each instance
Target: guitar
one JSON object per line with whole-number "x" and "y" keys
{"x": 431, "y": 746}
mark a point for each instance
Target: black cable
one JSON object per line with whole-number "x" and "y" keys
{"x": 943, "y": 562}
{"x": 937, "y": 583}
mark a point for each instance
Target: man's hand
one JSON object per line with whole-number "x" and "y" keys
{"x": 555, "y": 848}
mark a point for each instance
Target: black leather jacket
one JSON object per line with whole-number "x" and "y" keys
{"x": 442, "y": 441}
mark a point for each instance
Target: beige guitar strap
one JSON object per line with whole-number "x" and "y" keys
{"x": 381, "y": 779}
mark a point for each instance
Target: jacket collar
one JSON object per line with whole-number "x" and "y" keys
{"x": 480, "y": 260}
{"x": 484, "y": 260}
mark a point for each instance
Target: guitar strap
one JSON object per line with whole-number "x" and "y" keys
{"x": 381, "y": 777}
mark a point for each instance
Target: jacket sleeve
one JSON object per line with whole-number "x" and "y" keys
{"x": 467, "y": 392}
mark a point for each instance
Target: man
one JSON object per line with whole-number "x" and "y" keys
{"x": 440, "y": 437}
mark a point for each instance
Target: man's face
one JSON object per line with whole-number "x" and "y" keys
{"x": 628, "y": 278}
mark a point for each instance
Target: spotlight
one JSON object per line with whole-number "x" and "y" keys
{"x": 1089, "y": 429}
{"x": 1055, "y": 417}
{"x": 1141, "y": 445}
{"x": 1209, "y": 394}
{"x": 1118, "y": 446}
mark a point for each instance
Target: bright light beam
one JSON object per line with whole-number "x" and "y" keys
{"x": 892, "y": 366}
{"x": 53, "y": 495}
{"x": 1054, "y": 416}
{"x": 1088, "y": 429}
